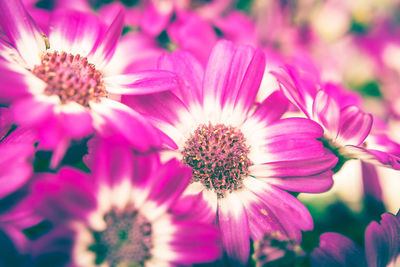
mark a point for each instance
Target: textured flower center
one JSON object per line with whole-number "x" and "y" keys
{"x": 70, "y": 77}
{"x": 218, "y": 156}
{"x": 126, "y": 241}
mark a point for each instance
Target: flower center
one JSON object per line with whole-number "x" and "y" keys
{"x": 126, "y": 241}
{"x": 218, "y": 156}
{"x": 70, "y": 77}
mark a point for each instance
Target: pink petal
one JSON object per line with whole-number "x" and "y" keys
{"x": 251, "y": 81}
{"x": 22, "y": 31}
{"x": 295, "y": 127}
{"x": 337, "y": 250}
{"x": 102, "y": 54}
{"x": 6, "y": 121}
{"x": 292, "y": 215}
{"x": 371, "y": 185}
{"x": 295, "y": 168}
{"x": 33, "y": 110}
{"x": 272, "y": 108}
{"x": 75, "y": 32}
{"x": 231, "y": 217}
{"x": 155, "y": 17}
{"x": 191, "y": 74}
{"x": 217, "y": 71}
{"x": 167, "y": 185}
{"x": 124, "y": 61}
{"x": 382, "y": 245}
{"x": 355, "y": 125}
{"x": 193, "y": 34}
{"x": 260, "y": 217}
{"x": 195, "y": 242}
{"x": 143, "y": 82}
{"x": 67, "y": 195}
{"x": 112, "y": 163}
{"x": 14, "y": 165}
{"x": 117, "y": 120}
{"x": 23, "y": 83}
{"x": 326, "y": 111}
{"x": 194, "y": 207}
{"x": 312, "y": 184}
{"x": 290, "y": 81}
{"x": 158, "y": 106}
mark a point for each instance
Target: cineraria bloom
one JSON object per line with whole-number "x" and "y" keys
{"x": 242, "y": 155}
{"x": 56, "y": 84}
{"x": 122, "y": 215}
{"x": 346, "y": 127}
{"x": 382, "y": 247}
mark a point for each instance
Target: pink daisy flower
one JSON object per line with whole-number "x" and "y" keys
{"x": 127, "y": 213}
{"x": 57, "y": 84}
{"x": 242, "y": 155}
{"x": 347, "y": 129}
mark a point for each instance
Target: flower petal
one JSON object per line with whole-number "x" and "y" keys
{"x": 355, "y": 125}
{"x": 33, "y": 110}
{"x": 326, "y": 111}
{"x": 23, "y": 83}
{"x": 102, "y": 54}
{"x": 117, "y": 120}
{"x": 294, "y": 90}
{"x": 15, "y": 169}
{"x": 195, "y": 208}
{"x": 175, "y": 122}
{"x": 22, "y": 31}
{"x": 292, "y": 216}
{"x": 312, "y": 184}
{"x": 250, "y": 82}
{"x": 75, "y": 32}
{"x": 231, "y": 217}
{"x": 167, "y": 185}
{"x": 271, "y": 109}
{"x": 69, "y": 194}
{"x": 143, "y": 82}
{"x": 195, "y": 242}
{"x": 294, "y": 126}
{"x": 294, "y": 168}
{"x": 156, "y": 16}
{"x": 191, "y": 74}
{"x": 373, "y": 156}
{"x": 336, "y": 250}
{"x": 217, "y": 73}
{"x": 75, "y": 119}
{"x": 382, "y": 247}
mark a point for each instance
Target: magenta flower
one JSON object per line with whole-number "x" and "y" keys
{"x": 382, "y": 247}
{"x": 126, "y": 214}
{"x": 241, "y": 154}
{"x": 347, "y": 129}
{"x": 58, "y": 83}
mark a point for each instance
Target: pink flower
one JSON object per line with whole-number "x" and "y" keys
{"x": 242, "y": 155}
{"x": 58, "y": 84}
{"x": 347, "y": 129}
{"x": 127, "y": 212}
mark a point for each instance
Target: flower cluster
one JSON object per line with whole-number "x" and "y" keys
{"x": 179, "y": 133}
